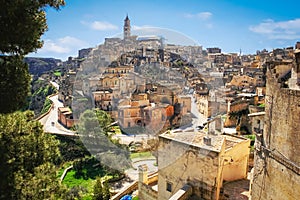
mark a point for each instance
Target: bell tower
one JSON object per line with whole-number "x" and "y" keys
{"x": 126, "y": 28}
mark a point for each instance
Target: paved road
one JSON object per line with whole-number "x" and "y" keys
{"x": 52, "y": 117}
{"x": 198, "y": 118}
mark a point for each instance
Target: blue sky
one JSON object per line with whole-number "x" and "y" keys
{"x": 229, "y": 24}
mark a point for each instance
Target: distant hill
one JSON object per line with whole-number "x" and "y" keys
{"x": 38, "y": 66}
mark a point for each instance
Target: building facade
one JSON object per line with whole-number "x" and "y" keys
{"x": 200, "y": 161}
{"x": 277, "y": 159}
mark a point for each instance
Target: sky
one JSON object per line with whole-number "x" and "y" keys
{"x": 228, "y": 24}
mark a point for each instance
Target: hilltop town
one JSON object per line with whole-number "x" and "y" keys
{"x": 219, "y": 125}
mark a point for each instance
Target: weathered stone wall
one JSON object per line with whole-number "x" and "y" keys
{"x": 282, "y": 128}
{"x": 147, "y": 193}
{"x": 277, "y": 158}
{"x": 181, "y": 164}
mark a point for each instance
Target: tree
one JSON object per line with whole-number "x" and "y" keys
{"x": 106, "y": 192}
{"x": 92, "y": 129}
{"x": 101, "y": 190}
{"x": 22, "y": 23}
{"x": 27, "y": 159}
{"x": 104, "y": 120}
{"x": 14, "y": 83}
{"x": 98, "y": 190}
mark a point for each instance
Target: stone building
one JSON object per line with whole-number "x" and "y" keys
{"x": 242, "y": 82}
{"x": 277, "y": 160}
{"x": 126, "y": 28}
{"x": 65, "y": 117}
{"x": 194, "y": 165}
{"x": 212, "y": 103}
{"x": 143, "y": 114}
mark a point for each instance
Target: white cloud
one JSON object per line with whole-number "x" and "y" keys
{"x": 62, "y": 45}
{"x": 288, "y": 30}
{"x": 134, "y": 27}
{"x": 100, "y": 25}
{"x": 204, "y": 15}
{"x": 51, "y": 46}
{"x": 201, "y": 15}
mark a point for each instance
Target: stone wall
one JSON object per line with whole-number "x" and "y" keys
{"x": 181, "y": 164}
{"x": 146, "y": 192}
{"x": 277, "y": 158}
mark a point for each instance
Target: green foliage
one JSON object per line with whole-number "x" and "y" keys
{"x": 98, "y": 190}
{"x": 57, "y": 73}
{"x": 76, "y": 192}
{"x": 38, "y": 102}
{"x": 261, "y": 105}
{"x": 28, "y": 158}
{"x": 85, "y": 172}
{"x": 251, "y": 137}
{"x": 101, "y": 190}
{"x": 141, "y": 155}
{"x": 47, "y": 106}
{"x": 106, "y": 192}
{"x": 42, "y": 184}
{"x": 22, "y": 24}
{"x": 14, "y": 83}
{"x": 93, "y": 129}
{"x": 71, "y": 148}
{"x": 104, "y": 119}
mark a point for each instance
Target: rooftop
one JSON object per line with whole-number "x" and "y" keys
{"x": 197, "y": 139}
{"x": 64, "y": 109}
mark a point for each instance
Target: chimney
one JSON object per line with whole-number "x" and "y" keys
{"x": 207, "y": 140}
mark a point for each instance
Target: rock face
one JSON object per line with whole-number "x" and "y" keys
{"x": 40, "y": 89}
{"x": 38, "y": 66}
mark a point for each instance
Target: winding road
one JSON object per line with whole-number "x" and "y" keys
{"x": 49, "y": 121}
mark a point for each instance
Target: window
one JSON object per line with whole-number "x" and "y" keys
{"x": 169, "y": 187}
{"x": 128, "y": 124}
